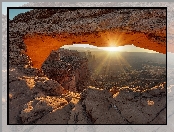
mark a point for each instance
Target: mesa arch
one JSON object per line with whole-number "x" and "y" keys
{"x": 49, "y": 29}
{"x": 46, "y": 43}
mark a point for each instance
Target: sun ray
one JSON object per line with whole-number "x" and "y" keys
{"x": 99, "y": 67}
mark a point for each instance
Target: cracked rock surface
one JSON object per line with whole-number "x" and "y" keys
{"x": 39, "y": 100}
{"x": 124, "y": 107}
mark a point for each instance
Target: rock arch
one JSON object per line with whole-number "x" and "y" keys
{"x": 145, "y": 28}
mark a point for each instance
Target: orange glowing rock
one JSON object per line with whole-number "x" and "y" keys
{"x": 40, "y": 46}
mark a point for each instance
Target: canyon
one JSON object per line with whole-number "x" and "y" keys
{"x": 47, "y": 84}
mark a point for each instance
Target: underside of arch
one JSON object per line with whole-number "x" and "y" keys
{"x": 39, "y": 46}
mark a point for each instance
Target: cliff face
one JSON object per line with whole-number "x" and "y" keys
{"x": 48, "y": 29}
{"x": 68, "y": 68}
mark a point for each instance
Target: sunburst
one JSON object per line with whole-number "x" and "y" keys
{"x": 112, "y": 49}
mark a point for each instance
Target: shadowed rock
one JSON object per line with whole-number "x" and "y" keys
{"x": 124, "y": 107}
{"x": 68, "y": 68}
{"x": 50, "y": 87}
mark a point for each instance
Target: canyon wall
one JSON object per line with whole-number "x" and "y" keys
{"x": 68, "y": 68}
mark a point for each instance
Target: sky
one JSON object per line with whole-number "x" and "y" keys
{"x": 14, "y": 12}
{"x": 128, "y": 48}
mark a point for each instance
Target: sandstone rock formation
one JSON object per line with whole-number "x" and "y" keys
{"x": 95, "y": 106}
{"x": 68, "y": 68}
{"x": 125, "y": 107}
{"x": 40, "y": 100}
{"x": 44, "y": 30}
{"x": 43, "y": 87}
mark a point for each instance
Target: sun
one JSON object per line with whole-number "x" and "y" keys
{"x": 112, "y": 49}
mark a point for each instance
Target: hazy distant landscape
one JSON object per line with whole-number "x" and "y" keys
{"x": 124, "y": 69}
